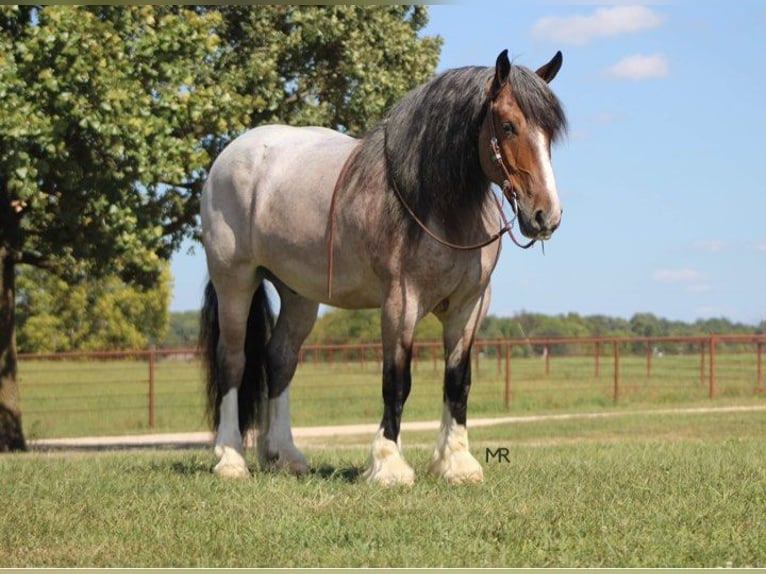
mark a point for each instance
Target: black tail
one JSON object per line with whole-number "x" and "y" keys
{"x": 260, "y": 322}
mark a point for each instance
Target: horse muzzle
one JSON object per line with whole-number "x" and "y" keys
{"x": 541, "y": 224}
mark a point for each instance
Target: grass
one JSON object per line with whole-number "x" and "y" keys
{"x": 77, "y": 398}
{"x": 644, "y": 490}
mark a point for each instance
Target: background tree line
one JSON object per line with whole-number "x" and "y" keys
{"x": 110, "y": 314}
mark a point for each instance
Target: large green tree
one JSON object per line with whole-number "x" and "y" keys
{"x": 111, "y": 115}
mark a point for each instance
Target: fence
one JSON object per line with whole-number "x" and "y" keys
{"x": 86, "y": 393}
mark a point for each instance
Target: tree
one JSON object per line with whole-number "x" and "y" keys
{"x": 183, "y": 330}
{"x": 93, "y": 314}
{"x": 339, "y": 326}
{"x": 111, "y": 115}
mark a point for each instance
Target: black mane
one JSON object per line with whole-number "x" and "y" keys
{"x": 429, "y": 143}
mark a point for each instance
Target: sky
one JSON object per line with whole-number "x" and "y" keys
{"x": 661, "y": 175}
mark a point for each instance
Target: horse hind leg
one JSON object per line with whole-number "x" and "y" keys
{"x": 452, "y": 458}
{"x": 225, "y": 317}
{"x": 276, "y": 448}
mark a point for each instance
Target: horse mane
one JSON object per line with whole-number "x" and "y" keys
{"x": 428, "y": 142}
{"x": 537, "y": 102}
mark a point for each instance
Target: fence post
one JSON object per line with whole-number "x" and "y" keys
{"x": 702, "y": 365}
{"x": 507, "y": 375}
{"x": 547, "y": 352}
{"x": 759, "y": 366}
{"x": 598, "y": 359}
{"x": 616, "y": 392}
{"x": 648, "y": 359}
{"x": 151, "y": 387}
{"x": 711, "y": 350}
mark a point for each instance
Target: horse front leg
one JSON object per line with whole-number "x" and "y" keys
{"x": 386, "y": 464}
{"x": 452, "y": 458}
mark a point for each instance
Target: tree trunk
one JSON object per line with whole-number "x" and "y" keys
{"x": 11, "y": 434}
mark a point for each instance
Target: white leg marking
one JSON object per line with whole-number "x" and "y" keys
{"x": 275, "y": 441}
{"x": 228, "y": 441}
{"x": 387, "y": 467}
{"x": 451, "y": 458}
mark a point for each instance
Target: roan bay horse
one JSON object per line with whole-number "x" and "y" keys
{"x": 403, "y": 219}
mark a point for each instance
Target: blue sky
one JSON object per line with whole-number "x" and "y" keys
{"x": 661, "y": 177}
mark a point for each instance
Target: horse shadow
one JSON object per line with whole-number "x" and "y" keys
{"x": 347, "y": 474}
{"x": 195, "y": 466}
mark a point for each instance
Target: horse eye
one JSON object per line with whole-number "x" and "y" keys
{"x": 509, "y": 128}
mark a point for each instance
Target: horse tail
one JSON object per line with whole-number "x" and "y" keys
{"x": 255, "y": 378}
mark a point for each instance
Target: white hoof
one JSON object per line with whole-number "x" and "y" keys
{"x": 387, "y": 467}
{"x": 451, "y": 459}
{"x": 457, "y": 467}
{"x": 231, "y": 463}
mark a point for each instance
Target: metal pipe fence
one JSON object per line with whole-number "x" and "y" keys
{"x": 69, "y": 394}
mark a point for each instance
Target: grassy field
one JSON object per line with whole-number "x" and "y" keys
{"x": 76, "y": 398}
{"x": 641, "y": 489}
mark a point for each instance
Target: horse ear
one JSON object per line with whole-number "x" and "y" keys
{"x": 502, "y": 69}
{"x": 548, "y": 71}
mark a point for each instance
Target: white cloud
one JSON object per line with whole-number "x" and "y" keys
{"x": 640, "y": 67}
{"x": 709, "y": 245}
{"x": 605, "y": 117}
{"x": 683, "y": 275}
{"x": 602, "y": 23}
{"x": 761, "y": 246}
{"x": 692, "y": 280}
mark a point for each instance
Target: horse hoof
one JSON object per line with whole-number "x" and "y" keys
{"x": 387, "y": 466}
{"x": 391, "y": 474}
{"x": 283, "y": 457}
{"x": 475, "y": 476}
{"x": 457, "y": 468}
{"x": 231, "y": 463}
{"x": 295, "y": 465}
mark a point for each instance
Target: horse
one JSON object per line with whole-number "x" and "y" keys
{"x": 404, "y": 219}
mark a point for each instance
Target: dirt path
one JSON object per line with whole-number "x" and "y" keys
{"x": 304, "y": 435}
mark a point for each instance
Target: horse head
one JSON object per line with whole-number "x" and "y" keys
{"x": 524, "y": 117}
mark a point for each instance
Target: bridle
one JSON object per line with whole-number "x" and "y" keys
{"x": 508, "y": 192}
{"x": 507, "y": 187}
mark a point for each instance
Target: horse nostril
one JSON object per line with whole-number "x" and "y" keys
{"x": 540, "y": 219}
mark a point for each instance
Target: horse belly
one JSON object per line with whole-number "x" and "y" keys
{"x": 350, "y": 288}
{"x": 292, "y": 215}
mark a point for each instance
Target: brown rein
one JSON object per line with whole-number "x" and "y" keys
{"x": 508, "y": 192}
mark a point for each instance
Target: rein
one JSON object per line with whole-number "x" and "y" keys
{"x": 508, "y": 192}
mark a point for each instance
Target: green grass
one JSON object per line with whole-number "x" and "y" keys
{"x": 76, "y": 398}
{"x": 632, "y": 490}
